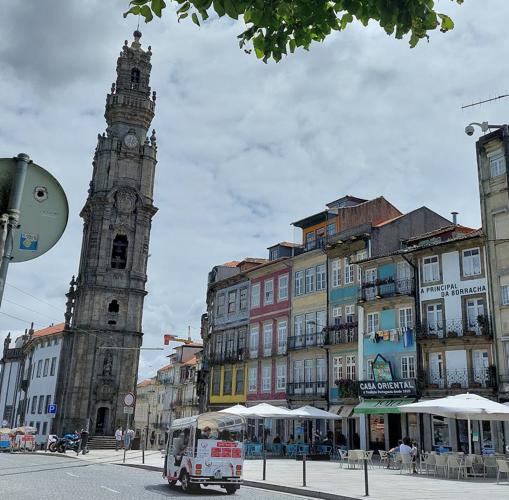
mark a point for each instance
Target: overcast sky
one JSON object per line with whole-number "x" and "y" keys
{"x": 244, "y": 148}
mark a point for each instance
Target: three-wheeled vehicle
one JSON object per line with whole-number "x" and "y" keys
{"x": 206, "y": 450}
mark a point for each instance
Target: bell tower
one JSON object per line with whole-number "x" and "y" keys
{"x": 99, "y": 359}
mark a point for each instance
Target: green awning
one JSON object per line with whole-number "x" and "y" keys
{"x": 371, "y": 406}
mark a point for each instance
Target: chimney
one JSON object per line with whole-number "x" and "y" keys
{"x": 454, "y": 218}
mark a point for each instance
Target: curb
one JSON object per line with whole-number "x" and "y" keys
{"x": 143, "y": 466}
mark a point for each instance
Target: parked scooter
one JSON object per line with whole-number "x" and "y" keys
{"x": 52, "y": 443}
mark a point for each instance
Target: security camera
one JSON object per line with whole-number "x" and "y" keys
{"x": 469, "y": 130}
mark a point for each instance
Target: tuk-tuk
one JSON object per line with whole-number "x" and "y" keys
{"x": 206, "y": 450}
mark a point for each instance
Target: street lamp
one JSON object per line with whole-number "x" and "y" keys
{"x": 484, "y": 126}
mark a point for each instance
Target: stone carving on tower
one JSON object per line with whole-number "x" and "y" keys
{"x": 99, "y": 360}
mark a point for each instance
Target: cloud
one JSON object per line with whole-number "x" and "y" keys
{"x": 243, "y": 148}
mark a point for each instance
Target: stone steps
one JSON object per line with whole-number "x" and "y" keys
{"x": 101, "y": 443}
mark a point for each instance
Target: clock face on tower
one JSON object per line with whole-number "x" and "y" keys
{"x": 131, "y": 141}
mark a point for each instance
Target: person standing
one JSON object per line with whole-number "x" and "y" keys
{"x": 118, "y": 438}
{"x": 83, "y": 443}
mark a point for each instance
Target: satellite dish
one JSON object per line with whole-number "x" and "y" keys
{"x": 43, "y": 212}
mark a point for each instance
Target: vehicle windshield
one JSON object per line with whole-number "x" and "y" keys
{"x": 220, "y": 426}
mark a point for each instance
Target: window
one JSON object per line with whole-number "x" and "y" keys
{"x": 350, "y": 313}
{"x": 372, "y": 322}
{"x": 266, "y": 374}
{"x": 310, "y": 326}
{"x": 38, "y": 427}
{"x": 321, "y": 320}
{"x": 227, "y": 381}
{"x": 273, "y": 253}
{"x": 361, "y": 255}
{"x": 135, "y": 75}
{"x": 255, "y": 295}
{"x": 336, "y": 315}
{"x": 408, "y": 367}
{"x": 283, "y": 287}
{"x": 44, "y": 428}
{"x": 405, "y": 318}
{"x": 497, "y": 164}
{"x": 216, "y": 381}
{"x": 39, "y": 368}
{"x": 331, "y": 229}
{"x": 298, "y": 283}
{"x": 243, "y": 299}
{"x": 253, "y": 341}
{"x": 252, "y": 375}
{"x": 369, "y": 370}
{"x": 268, "y": 297}
{"x": 336, "y": 273}
{"x": 337, "y": 368}
{"x": 220, "y": 304}
{"x": 34, "y": 404}
{"x": 267, "y": 339}
{"x": 320, "y": 277}
{"x": 41, "y": 402}
{"x": 349, "y": 272}
{"x": 239, "y": 381}
{"x": 119, "y": 252}
{"x": 46, "y": 368}
{"x": 471, "y": 262}
{"x": 430, "y": 269}
{"x": 282, "y": 333}
{"x": 298, "y": 325}
{"x": 281, "y": 376}
{"x": 310, "y": 280}
{"x": 219, "y": 347}
{"x": 48, "y": 402}
{"x": 504, "y": 289}
{"x": 310, "y": 240}
{"x": 350, "y": 367}
{"x": 320, "y": 370}
{"x": 113, "y": 306}
{"x": 435, "y": 319}
{"x": 232, "y": 298}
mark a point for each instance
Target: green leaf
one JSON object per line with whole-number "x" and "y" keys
{"x": 184, "y": 8}
{"x": 230, "y": 9}
{"x": 146, "y": 13}
{"x": 133, "y": 10}
{"x": 194, "y": 17}
{"x": 157, "y": 7}
{"x": 182, "y": 16}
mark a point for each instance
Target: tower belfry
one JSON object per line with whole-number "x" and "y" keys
{"x": 99, "y": 360}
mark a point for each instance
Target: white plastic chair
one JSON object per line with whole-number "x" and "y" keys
{"x": 384, "y": 458}
{"x": 502, "y": 468}
{"x": 353, "y": 457}
{"x": 430, "y": 463}
{"x": 454, "y": 462}
{"x": 343, "y": 457}
{"x": 406, "y": 463}
{"x": 490, "y": 462}
{"x": 441, "y": 463}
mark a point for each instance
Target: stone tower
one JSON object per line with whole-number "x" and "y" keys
{"x": 99, "y": 360}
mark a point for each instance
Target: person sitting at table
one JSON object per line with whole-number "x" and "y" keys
{"x": 299, "y": 440}
{"x": 392, "y": 451}
{"x": 291, "y": 439}
{"x": 327, "y": 441}
{"x": 414, "y": 453}
{"x": 276, "y": 440}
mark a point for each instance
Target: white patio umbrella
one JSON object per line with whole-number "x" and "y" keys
{"x": 236, "y": 410}
{"x": 312, "y": 412}
{"x": 265, "y": 410}
{"x": 463, "y": 406}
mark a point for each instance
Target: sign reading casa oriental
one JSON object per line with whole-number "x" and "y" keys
{"x": 372, "y": 389}
{"x": 453, "y": 288}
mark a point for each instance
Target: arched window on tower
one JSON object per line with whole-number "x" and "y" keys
{"x": 135, "y": 76}
{"x": 113, "y": 306}
{"x": 119, "y": 252}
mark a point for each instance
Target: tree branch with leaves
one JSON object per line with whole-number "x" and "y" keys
{"x": 276, "y": 27}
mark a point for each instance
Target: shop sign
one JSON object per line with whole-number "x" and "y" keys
{"x": 373, "y": 389}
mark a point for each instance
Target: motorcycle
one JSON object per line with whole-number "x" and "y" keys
{"x": 68, "y": 442}
{"x": 52, "y": 443}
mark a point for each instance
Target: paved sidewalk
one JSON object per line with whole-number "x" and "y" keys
{"x": 330, "y": 481}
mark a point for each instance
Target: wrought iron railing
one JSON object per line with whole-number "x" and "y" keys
{"x": 459, "y": 378}
{"x": 452, "y": 328}
{"x": 341, "y": 333}
{"x": 228, "y": 357}
{"x": 307, "y": 388}
{"x": 306, "y": 340}
{"x": 388, "y": 287}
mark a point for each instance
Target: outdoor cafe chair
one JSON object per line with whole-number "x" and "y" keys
{"x": 353, "y": 458}
{"x": 343, "y": 457}
{"x": 384, "y": 458}
{"x": 257, "y": 451}
{"x": 430, "y": 463}
{"x": 490, "y": 462}
{"x": 454, "y": 462}
{"x": 303, "y": 449}
{"x": 368, "y": 455}
{"x": 248, "y": 450}
{"x": 406, "y": 462}
{"x": 441, "y": 463}
{"x": 291, "y": 450}
{"x": 276, "y": 449}
{"x": 502, "y": 468}
{"x": 471, "y": 463}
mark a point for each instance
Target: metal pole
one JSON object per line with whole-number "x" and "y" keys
{"x": 142, "y": 450}
{"x": 125, "y": 437}
{"x": 304, "y": 469}
{"x": 366, "y": 488}
{"x": 264, "y": 464}
{"x": 13, "y": 212}
{"x": 148, "y": 423}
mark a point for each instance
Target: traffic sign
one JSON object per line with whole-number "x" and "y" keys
{"x": 129, "y": 399}
{"x": 51, "y": 410}
{"x": 43, "y": 211}
{"x": 128, "y": 410}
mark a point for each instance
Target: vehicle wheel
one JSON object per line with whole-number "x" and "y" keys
{"x": 172, "y": 482}
{"x": 184, "y": 482}
{"x": 61, "y": 448}
{"x": 230, "y": 489}
{"x": 52, "y": 447}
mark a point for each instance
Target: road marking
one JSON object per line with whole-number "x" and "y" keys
{"x": 109, "y": 489}
{"x": 71, "y": 474}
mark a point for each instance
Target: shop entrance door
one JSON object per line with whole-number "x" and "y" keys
{"x": 394, "y": 428}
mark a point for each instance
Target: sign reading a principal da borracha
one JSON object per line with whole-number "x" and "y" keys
{"x": 372, "y": 389}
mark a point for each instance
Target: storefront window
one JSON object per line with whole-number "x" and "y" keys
{"x": 486, "y": 441}
{"x": 440, "y": 431}
{"x": 463, "y": 436}
{"x": 412, "y": 426}
{"x": 376, "y": 432}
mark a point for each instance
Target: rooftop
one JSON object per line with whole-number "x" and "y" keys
{"x": 446, "y": 229}
{"x": 50, "y": 330}
{"x": 145, "y": 383}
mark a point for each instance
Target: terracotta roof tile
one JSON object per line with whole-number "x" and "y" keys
{"x": 50, "y": 330}
{"x": 232, "y": 263}
{"x": 145, "y": 383}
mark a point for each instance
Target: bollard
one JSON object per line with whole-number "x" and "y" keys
{"x": 264, "y": 464}
{"x": 304, "y": 469}
{"x": 142, "y": 451}
{"x": 366, "y": 478}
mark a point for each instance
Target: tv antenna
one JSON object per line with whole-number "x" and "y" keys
{"x": 485, "y": 101}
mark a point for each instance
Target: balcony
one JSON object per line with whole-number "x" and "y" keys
{"x": 388, "y": 287}
{"x": 307, "y": 340}
{"x": 345, "y": 333}
{"x": 218, "y": 358}
{"x": 458, "y": 379}
{"x": 453, "y": 328}
{"x": 307, "y": 389}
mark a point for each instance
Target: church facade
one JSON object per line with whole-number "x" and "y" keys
{"x": 100, "y": 352}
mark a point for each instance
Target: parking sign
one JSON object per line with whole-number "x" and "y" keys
{"x": 52, "y": 410}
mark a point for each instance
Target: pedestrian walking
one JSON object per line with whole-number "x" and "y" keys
{"x": 118, "y": 438}
{"x": 128, "y": 438}
{"x": 83, "y": 443}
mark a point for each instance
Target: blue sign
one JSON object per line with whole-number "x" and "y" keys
{"x": 52, "y": 409}
{"x": 28, "y": 241}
